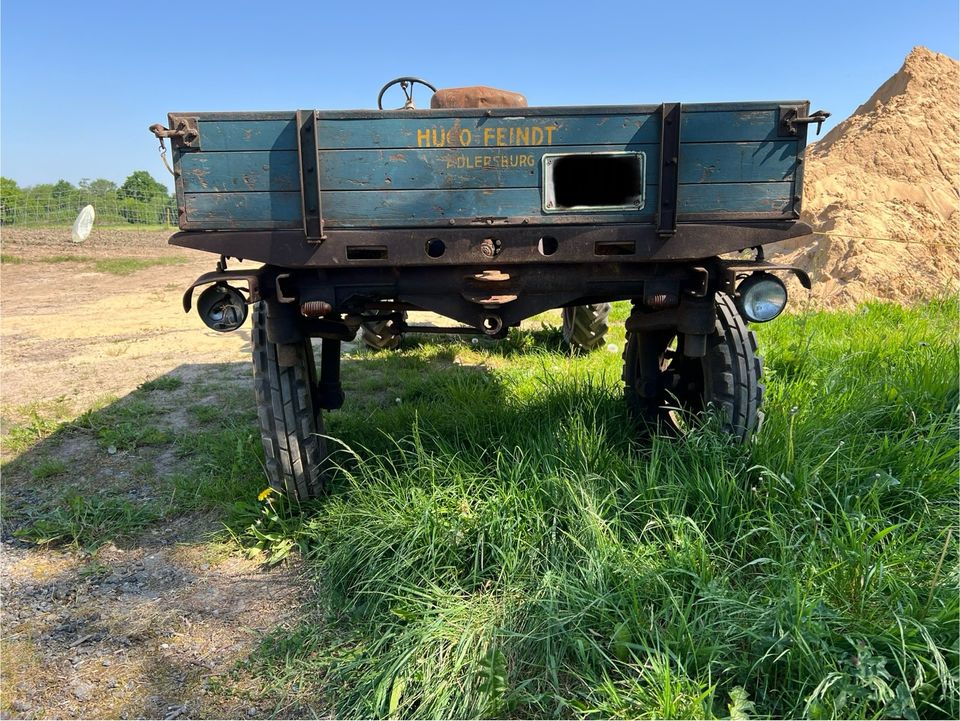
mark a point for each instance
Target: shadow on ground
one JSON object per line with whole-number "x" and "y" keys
{"x": 123, "y": 594}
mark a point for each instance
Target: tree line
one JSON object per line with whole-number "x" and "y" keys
{"x": 141, "y": 199}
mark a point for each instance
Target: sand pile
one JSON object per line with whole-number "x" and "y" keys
{"x": 890, "y": 171}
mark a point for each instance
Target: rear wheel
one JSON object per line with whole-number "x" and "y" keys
{"x": 381, "y": 333}
{"x": 585, "y": 326}
{"x": 665, "y": 387}
{"x": 291, "y": 425}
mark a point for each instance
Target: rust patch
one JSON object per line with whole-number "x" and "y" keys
{"x": 201, "y": 175}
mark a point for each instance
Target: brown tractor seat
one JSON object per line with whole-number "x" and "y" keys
{"x": 477, "y": 96}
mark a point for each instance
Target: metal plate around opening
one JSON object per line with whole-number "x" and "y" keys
{"x": 631, "y": 196}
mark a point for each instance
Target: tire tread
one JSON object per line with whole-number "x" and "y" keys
{"x": 290, "y": 428}
{"x": 585, "y": 326}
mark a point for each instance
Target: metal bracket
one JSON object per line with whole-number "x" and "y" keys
{"x": 732, "y": 268}
{"x": 252, "y": 278}
{"x": 309, "y": 175}
{"x": 669, "y": 169}
{"x": 184, "y": 131}
{"x": 791, "y": 116}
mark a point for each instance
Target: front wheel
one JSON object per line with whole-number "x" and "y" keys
{"x": 665, "y": 387}
{"x": 291, "y": 424}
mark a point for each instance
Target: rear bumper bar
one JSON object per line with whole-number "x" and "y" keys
{"x": 627, "y": 243}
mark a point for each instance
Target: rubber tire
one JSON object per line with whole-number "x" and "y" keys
{"x": 381, "y": 335}
{"x": 728, "y": 377}
{"x": 585, "y": 326}
{"x": 291, "y": 427}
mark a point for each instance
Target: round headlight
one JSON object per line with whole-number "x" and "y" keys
{"x": 222, "y": 307}
{"x": 761, "y": 297}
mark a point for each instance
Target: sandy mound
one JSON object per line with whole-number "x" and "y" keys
{"x": 884, "y": 188}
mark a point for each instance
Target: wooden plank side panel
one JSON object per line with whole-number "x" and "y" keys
{"x": 445, "y": 168}
{"x": 234, "y": 211}
{"x": 763, "y": 199}
{"x": 277, "y": 171}
{"x": 750, "y": 162}
{"x": 407, "y": 208}
{"x": 526, "y": 130}
{"x": 728, "y": 126}
{"x": 453, "y": 168}
{"x": 242, "y": 211}
{"x": 531, "y": 129}
{"x": 232, "y": 135}
{"x": 247, "y": 171}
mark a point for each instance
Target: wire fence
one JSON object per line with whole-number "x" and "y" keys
{"x": 112, "y": 209}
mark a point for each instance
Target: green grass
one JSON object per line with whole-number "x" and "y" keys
{"x": 65, "y": 258}
{"x": 126, "y": 425}
{"x": 126, "y": 266}
{"x": 114, "y": 266}
{"x": 163, "y": 383}
{"x": 36, "y": 422}
{"x": 497, "y": 543}
{"x": 87, "y": 522}
{"x": 219, "y": 463}
{"x": 9, "y": 259}
{"x": 49, "y": 468}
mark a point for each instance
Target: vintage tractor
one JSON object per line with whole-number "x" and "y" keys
{"x": 487, "y": 211}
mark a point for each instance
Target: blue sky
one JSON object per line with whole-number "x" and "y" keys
{"x": 81, "y": 81}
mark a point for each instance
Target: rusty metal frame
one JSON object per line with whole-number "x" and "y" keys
{"x": 310, "y": 201}
{"x": 731, "y": 270}
{"x": 669, "y": 182}
{"x": 515, "y": 293}
{"x": 463, "y": 246}
{"x": 250, "y": 277}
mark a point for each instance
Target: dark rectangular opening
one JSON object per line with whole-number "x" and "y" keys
{"x": 366, "y": 252}
{"x": 615, "y": 247}
{"x": 597, "y": 180}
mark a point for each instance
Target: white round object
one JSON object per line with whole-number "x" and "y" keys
{"x": 83, "y": 224}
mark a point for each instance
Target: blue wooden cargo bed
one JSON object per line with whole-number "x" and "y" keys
{"x": 410, "y": 168}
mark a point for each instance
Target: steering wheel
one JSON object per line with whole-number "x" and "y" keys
{"x": 406, "y": 84}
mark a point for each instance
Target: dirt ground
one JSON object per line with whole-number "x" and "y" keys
{"x": 151, "y": 628}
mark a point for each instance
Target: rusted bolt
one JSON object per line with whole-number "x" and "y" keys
{"x": 490, "y": 247}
